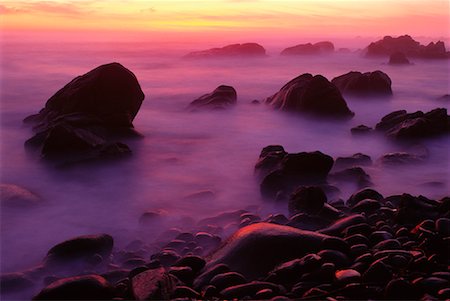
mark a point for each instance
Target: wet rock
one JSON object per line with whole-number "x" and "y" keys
{"x": 223, "y": 218}
{"x": 15, "y": 196}
{"x": 443, "y": 226}
{"x": 249, "y": 289}
{"x": 269, "y": 159}
{"x": 377, "y": 272}
{"x": 347, "y": 276}
{"x": 210, "y": 272}
{"x": 360, "y": 129}
{"x": 339, "y": 259}
{"x": 367, "y": 206}
{"x": 274, "y": 245}
{"x": 264, "y": 294}
{"x": 196, "y": 263}
{"x": 403, "y": 125}
{"x": 340, "y": 225}
{"x": 398, "y": 58}
{"x": 308, "y": 49}
{"x": 166, "y": 257}
{"x": 86, "y": 287}
{"x": 400, "y": 158}
{"x": 308, "y": 199}
{"x": 357, "y": 239}
{"x": 357, "y": 159}
{"x": 233, "y": 50}
{"x": 412, "y": 210}
{"x": 152, "y": 284}
{"x": 209, "y": 292}
{"x": 311, "y": 94}
{"x": 80, "y": 248}
{"x": 307, "y": 222}
{"x": 81, "y": 121}
{"x": 222, "y": 281}
{"x": 379, "y": 236}
{"x": 407, "y": 45}
{"x": 221, "y": 98}
{"x": 362, "y": 194}
{"x": 388, "y": 244}
{"x": 184, "y": 292}
{"x": 184, "y": 273}
{"x": 430, "y": 285}
{"x": 356, "y": 175}
{"x": 364, "y": 84}
{"x": 296, "y": 169}
{"x": 14, "y": 282}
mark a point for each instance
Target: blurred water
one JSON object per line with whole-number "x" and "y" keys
{"x": 186, "y": 152}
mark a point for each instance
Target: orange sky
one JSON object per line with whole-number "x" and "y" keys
{"x": 222, "y": 18}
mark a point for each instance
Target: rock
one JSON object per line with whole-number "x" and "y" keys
{"x": 233, "y": 50}
{"x": 269, "y": 159}
{"x": 347, "y": 276}
{"x": 340, "y": 225}
{"x": 308, "y": 199}
{"x": 360, "y": 129}
{"x": 82, "y": 120}
{"x": 274, "y": 245}
{"x": 221, "y": 98}
{"x": 248, "y": 289}
{"x": 398, "y": 58}
{"x": 86, "y": 287}
{"x": 407, "y": 45}
{"x": 366, "y": 206}
{"x": 401, "y": 125}
{"x": 196, "y": 263}
{"x": 376, "y": 83}
{"x": 15, "y": 196}
{"x": 296, "y": 169}
{"x": 152, "y": 284}
{"x": 210, "y": 272}
{"x": 400, "y": 158}
{"x": 222, "y": 281}
{"x": 443, "y": 226}
{"x": 413, "y": 210}
{"x": 339, "y": 259}
{"x": 357, "y": 159}
{"x": 362, "y": 194}
{"x": 400, "y": 289}
{"x": 356, "y": 175}
{"x": 312, "y": 95}
{"x": 377, "y": 272}
{"x": 151, "y": 218}
{"x": 302, "y": 49}
{"x": 14, "y": 282}
{"x": 80, "y": 248}
{"x": 185, "y": 292}
{"x": 202, "y": 195}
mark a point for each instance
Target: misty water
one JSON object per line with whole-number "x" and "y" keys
{"x": 184, "y": 152}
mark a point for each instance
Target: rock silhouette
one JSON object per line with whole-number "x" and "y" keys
{"x": 233, "y": 50}
{"x": 364, "y": 84}
{"x": 305, "y": 49}
{"x": 221, "y": 98}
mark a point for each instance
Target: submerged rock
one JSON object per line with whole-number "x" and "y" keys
{"x": 374, "y": 83}
{"x": 357, "y": 159}
{"x": 403, "y": 125}
{"x": 14, "y": 196}
{"x": 81, "y": 121}
{"x": 233, "y": 50}
{"x": 316, "y": 48}
{"x": 221, "y": 98}
{"x": 310, "y": 94}
{"x": 256, "y": 249}
{"x": 307, "y": 199}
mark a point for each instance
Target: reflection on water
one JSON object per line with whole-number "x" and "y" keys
{"x": 188, "y": 152}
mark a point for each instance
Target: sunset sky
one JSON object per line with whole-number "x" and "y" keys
{"x": 245, "y": 18}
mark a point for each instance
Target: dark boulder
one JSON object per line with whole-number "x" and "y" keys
{"x": 311, "y": 94}
{"x": 86, "y": 287}
{"x": 81, "y": 121}
{"x": 407, "y": 45}
{"x": 307, "y": 199}
{"x": 363, "y": 194}
{"x": 355, "y": 175}
{"x": 80, "y": 248}
{"x": 376, "y": 83}
{"x": 403, "y": 125}
{"x": 221, "y": 98}
{"x": 256, "y": 249}
{"x": 269, "y": 159}
{"x": 302, "y": 49}
{"x": 233, "y": 50}
{"x": 398, "y": 58}
{"x": 153, "y": 284}
{"x": 357, "y": 159}
{"x": 303, "y": 168}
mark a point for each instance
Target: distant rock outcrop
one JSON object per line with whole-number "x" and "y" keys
{"x": 302, "y": 49}
{"x": 221, "y": 98}
{"x": 398, "y": 58}
{"x": 403, "y": 125}
{"x": 407, "y": 45}
{"x": 311, "y": 94}
{"x": 81, "y": 121}
{"x": 364, "y": 84}
{"x": 233, "y": 50}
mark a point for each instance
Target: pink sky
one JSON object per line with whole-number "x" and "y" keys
{"x": 215, "y": 20}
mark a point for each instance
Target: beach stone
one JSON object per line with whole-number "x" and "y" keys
{"x": 347, "y": 276}
{"x": 357, "y": 159}
{"x": 249, "y": 289}
{"x": 312, "y": 95}
{"x": 380, "y": 236}
{"x": 443, "y": 226}
{"x": 357, "y": 239}
{"x": 15, "y": 196}
{"x": 264, "y": 294}
{"x": 233, "y": 50}
{"x": 430, "y": 285}
{"x": 80, "y": 248}
{"x": 339, "y": 259}
{"x": 388, "y": 244}
{"x": 365, "y": 193}
{"x": 361, "y": 129}
{"x": 355, "y": 174}
{"x": 221, "y": 98}
{"x": 308, "y": 199}
{"x": 367, "y": 206}
{"x": 400, "y": 158}
{"x": 209, "y": 292}
{"x": 364, "y": 84}
{"x": 269, "y": 159}
{"x": 208, "y": 273}
{"x": 86, "y": 287}
{"x": 342, "y": 224}
{"x": 309, "y": 49}
{"x": 196, "y": 263}
{"x": 224, "y": 280}
{"x": 184, "y": 273}
{"x": 398, "y": 58}
{"x": 274, "y": 245}
{"x": 377, "y": 272}
{"x": 152, "y": 284}
{"x": 185, "y": 292}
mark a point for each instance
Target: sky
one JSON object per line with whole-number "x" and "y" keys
{"x": 214, "y": 19}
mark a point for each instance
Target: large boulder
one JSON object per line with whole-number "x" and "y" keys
{"x": 282, "y": 172}
{"x": 82, "y": 120}
{"x": 364, "y": 84}
{"x": 302, "y": 49}
{"x": 221, "y": 98}
{"x": 233, "y": 50}
{"x": 403, "y": 125}
{"x": 311, "y": 94}
{"x": 255, "y": 250}
{"x": 407, "y": 45}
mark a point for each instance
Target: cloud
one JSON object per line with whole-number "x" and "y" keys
{"x": 8, "y": 10}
